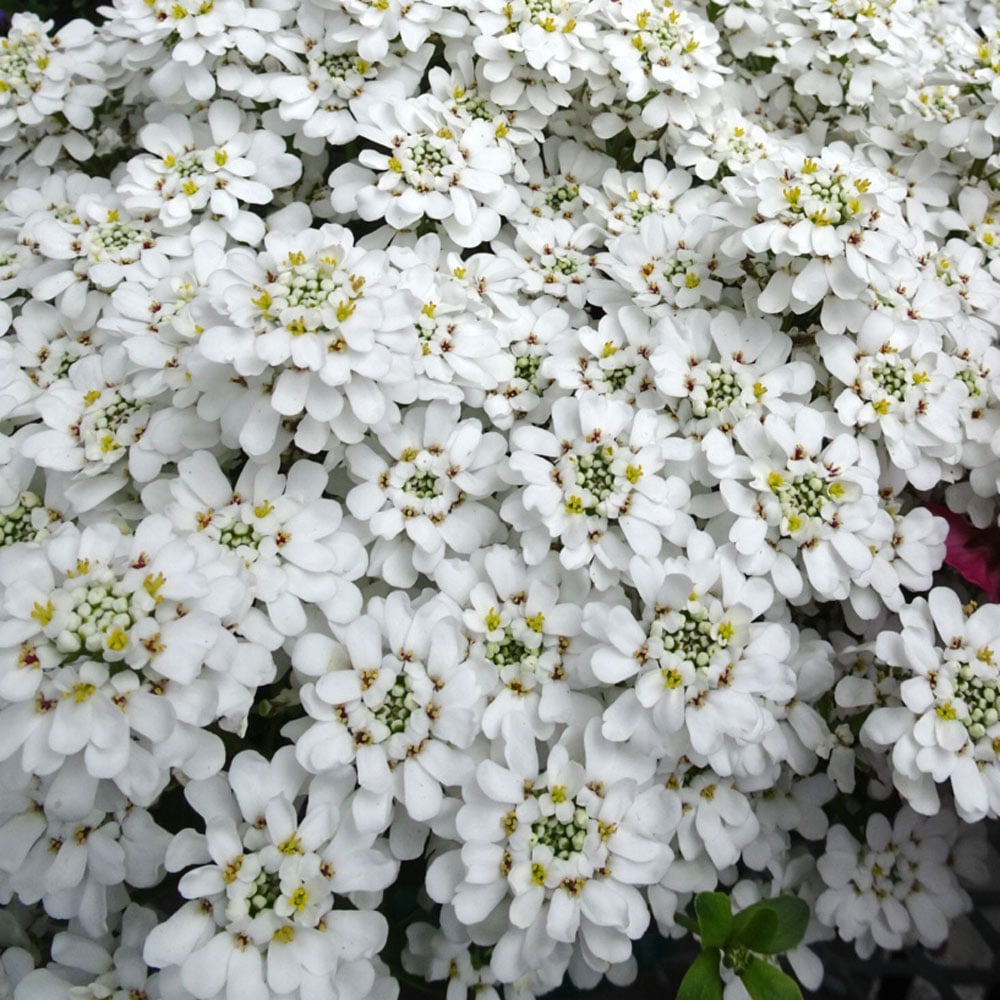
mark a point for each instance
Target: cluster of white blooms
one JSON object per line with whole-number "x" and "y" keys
{"x": 473, "y": 476}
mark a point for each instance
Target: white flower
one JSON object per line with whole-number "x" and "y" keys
{"x": 670, "y": 262}
{"x": 562, "y": 851}
{"x": 556, "y": 181}
{"x": 897, "y": 888}
{"x": 948, "y": 728}
{"x": 807, "y": 506}
{"x": 730, "y": 140}
{"x": 433, "y": 955}
{"x": 528, "y": 338}
{"x": 397, "y": 714}
{"x": 900, "y": 390}
{"x": 429, "y": 480}
{"x": 262, "y": 909}
{"x": 217, "y": 164}
{"x": 92, "y": 420}
{"x": 554, "y": 258}
{"x": 99, "y": 242}
{"x": 522, "y": 625}
{"x": 460, "y": 355}
{"x": 182, "y": 42}
{"x": 702, "y": 666}
{"x": 433, "y": 169}
{"x": 110, "y": 966}
{"x": 43, "y": 76}
{"x": 624, "y": 200}
{"x": 844, "y": 53}
{"x": 535, "y": 54}
{"x": 322, "y": 315}
{"x": 667, "y": 55}
{"x": 907, "y": 557}
{"x": 717, "y": 820}
{"x": 313, "y": 88}
{"x": 77, "y": 858}
{"x": 594, "y": 482}
{"x": 834, "y": 210}
{"x": 717, "y": 370}
{"x": 49, "y": 342}
{"x": 457, "y": 93}
{"x": 613, "y": 360}
{"x": 278, "y": 530}
{"x": 98, "y": 649}
{"x": 374, "y": 26}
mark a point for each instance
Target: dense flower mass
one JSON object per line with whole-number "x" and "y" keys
{"x": 474, "y": 476}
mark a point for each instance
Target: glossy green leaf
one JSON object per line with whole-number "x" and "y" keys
{"x": 767, "y": 982}
{"x": 756, "y": 928}
{"x": 772, "y": 926}
{"x": 702, "y": 981}
{"x": 715, "y": 918}
{"x": 793, "y": 919}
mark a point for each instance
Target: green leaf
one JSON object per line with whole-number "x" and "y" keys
{"x": 780, "y": 930}
{"x": 702, "y": 981}
{"x": 715, "y": 918}
{"x": 793, "y": 919}
{"x": 755, "y": 928}
{"x": 767, "y": 982}
{"x": 686, "y": 922}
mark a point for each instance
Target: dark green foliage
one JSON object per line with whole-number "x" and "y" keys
{"x": 741, "y": 942}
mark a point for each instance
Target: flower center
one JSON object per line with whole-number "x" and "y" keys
{"x": 970, "y": 378}
{"x": 981, "y": 698}
{"x": 616, "y": 378}
{"x": 423, "y": 485}
{"x": 507, "y": 651}
{"x": 893, "y": 378}
{"x": 938, "y": 103}
{"x": 103, "y": 429}
{"x": 111, "y": 240}
{"x": 99, "y": 618}
{"x": 475, "y": 106}
{"x": 239, "y": 534}
{"x": 548, "y": 14}
{"x": 556, "y": 197}
{"x": 309, "y": 297}
{"x": 593, "y": 473}
{"x": 20, "y": 59}
{"x": 721, "y": 390}
{"x": 822, "y": 197}
{"x": 988, "y": 53}
{"x": 739, "y": 146}
{"x": 689, "y": 634}
{"x": 397, "y": 706}
{"x": 526, "y": 368}
{"x": 802, "y": 497}
{"x": 659, "y": 36}
{"x": 426, "y": 163}
{"x": 19, "y": 524}
{"x": 266, "y": 890}
{"x": 563, "y": 839}
{"x": 346, "y": 70}
{"x": 307, "y": 286}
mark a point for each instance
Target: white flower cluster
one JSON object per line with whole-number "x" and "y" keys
{"x": 481, "y": 455}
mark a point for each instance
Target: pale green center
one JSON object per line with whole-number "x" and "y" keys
{"x": 593, "y": 473}
{"x": 423, "y": 485}
{"x": 396, "y": 707}
{"x": 563, "y": 839}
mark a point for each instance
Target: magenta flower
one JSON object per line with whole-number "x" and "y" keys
{"x": 973, "y": 552}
